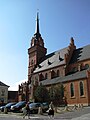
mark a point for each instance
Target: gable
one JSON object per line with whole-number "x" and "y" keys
{"x": 2, "y": 84}
{"x": 80, "y": 54}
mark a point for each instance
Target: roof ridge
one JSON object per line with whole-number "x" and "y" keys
{"x": 3, "y": 84}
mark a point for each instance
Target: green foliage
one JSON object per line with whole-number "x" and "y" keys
{"x": 41, "y": 94}
{"x": 56, "y": 94}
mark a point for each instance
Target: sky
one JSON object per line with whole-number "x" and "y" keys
{"x": 59, "y": 21}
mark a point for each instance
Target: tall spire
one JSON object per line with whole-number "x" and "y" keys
{"x": 37, "y": 23}
{"x": 37, "y": 34}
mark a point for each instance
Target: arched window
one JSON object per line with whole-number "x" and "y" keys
{"x": 32, "y": 62}
{"x": 41, "y": 77}
{"x": 52, "y": 74}
{"x": 86, "y": 66}
{"x": 62, "y": 90}
{"x": 72, "y": 89}
{"x": 57, "y": 73}
{"x": 81, "y": 89}
{"x": 74, "y": 69}
{"x": 46, "y": 76}
{"x": 32, "y": 70}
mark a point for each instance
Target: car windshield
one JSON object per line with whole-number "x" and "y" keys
{"x": 9, "y": 104}
{"x": 45, "y": 104}
{"x": 34, "y": 104}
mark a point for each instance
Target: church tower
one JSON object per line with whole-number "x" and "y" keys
{"x": 37, "y": 51}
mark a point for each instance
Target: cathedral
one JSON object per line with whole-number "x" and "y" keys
{"x": 69, "y": 66}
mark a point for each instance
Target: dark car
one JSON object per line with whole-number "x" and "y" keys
{"x": 2, "y": 108}
{"x": 18, "y": 106}
{"x": 45, "y": 106}
{"x": 34, "y": 107}
{"x": 8, "y": 106}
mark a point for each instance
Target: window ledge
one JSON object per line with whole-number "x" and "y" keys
{"x": 82, "y": 96}
{"x": 72, "y": 97}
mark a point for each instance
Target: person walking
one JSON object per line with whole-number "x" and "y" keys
{"x": 27, "y": 113}
{"x": 51, "y": 110}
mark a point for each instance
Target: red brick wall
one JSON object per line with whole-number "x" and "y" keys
{"x": 81, "y": 64}
{"x": 61, "y": 72}
{"x": 77, "y": 98}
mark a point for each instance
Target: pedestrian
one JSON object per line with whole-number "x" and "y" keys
{"x": 51, "y": 110}
{"x": 27, "y": 113}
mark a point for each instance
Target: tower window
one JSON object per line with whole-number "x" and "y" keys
{"x": 31, "y": 70}
{"x": 32, "y": 62}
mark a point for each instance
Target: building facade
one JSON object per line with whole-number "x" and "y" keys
{"x": 69, "y": 66}
{"x": 12, "y": 96}
{"x": 3, "y": 93}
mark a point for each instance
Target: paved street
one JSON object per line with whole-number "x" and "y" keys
{"x": 82, "y": 114}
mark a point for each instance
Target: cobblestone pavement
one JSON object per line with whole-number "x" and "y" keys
{"x": 82, "y": 114}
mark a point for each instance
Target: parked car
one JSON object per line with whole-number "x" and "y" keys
{"x": 45, "y": 106}
{"x": 18, "y": 106}
{"x": 34, "y": 107}
{"x": 8, "y": 106}
{"x": 2, "y": 108}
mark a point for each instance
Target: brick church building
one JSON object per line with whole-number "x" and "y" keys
{"x": 69, "y": 66}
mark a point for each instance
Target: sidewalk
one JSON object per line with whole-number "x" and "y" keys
{"x": 20, "y": 115}
{"x": 83, "y": 117}
{"x": 82, "y": 114}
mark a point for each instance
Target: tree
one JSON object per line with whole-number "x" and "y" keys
{"x": 41, "y": 94}
{"x": 56, "y": 94}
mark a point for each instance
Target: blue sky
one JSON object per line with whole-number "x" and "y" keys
{"x": 59, "y": 21}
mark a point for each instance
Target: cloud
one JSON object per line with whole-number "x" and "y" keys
{"x": 15, "y": 86}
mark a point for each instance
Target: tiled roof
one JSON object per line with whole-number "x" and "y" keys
{"x": 54, "y": 59}
{"x": 2, "y": 84}
{"x": 81, "y": 54}
{"x": 57, "y": 58}
{"x": 75, "y": 76}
